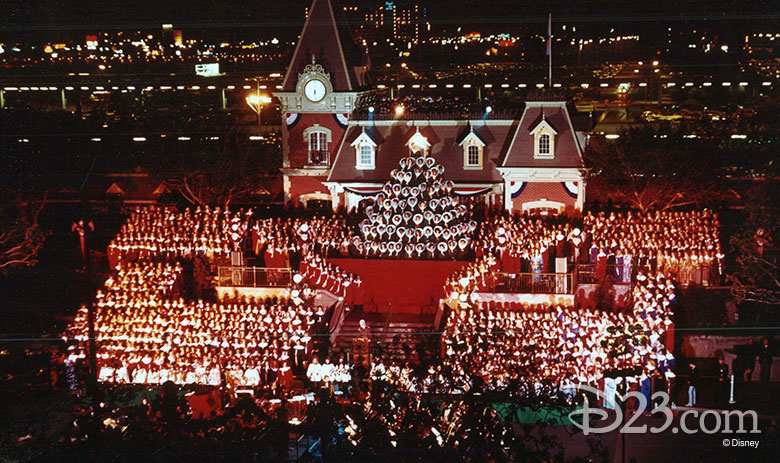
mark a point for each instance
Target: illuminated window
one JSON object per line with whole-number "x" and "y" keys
{"x": 473, "y": 148}
{"x": 366, "y": 156}
{"x": 365, "y": 152}
{"x": 318, "y": 138}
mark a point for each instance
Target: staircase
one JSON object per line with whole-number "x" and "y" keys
{"x": 394, "y": 337}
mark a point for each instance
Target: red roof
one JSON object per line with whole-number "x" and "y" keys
{"x": 567, "y": 149}
{"x": 325, "y": 36}
{"x": 444, "y": 136}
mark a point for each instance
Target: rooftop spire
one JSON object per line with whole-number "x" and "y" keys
{"x": 327, "y": 39}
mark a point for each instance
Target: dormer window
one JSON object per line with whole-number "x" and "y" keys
{"x": 318, "y": 139}
{"x": 473, "y": 148}
{"x": 365, "y": 152}
{"x": 544, "y": 139}
{"x": 418, "y": 144}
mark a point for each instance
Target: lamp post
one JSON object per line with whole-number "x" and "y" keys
{"x": 256, "y": 102}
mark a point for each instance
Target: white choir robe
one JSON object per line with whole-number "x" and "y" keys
{"x": 252, "y": 377}
{"x": 314, "y": 372}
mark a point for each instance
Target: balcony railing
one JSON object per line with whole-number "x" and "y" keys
{"x": 254, "y": 277}
{"x": 533, "y": 283}
{"x": 319, "y": 158}
{"x": 588, "y": 273}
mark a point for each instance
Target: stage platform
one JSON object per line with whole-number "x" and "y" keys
{"x": 400, "y": 286}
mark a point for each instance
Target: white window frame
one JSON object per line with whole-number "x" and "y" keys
{"x": 544, "y": 128}
{"x": 365, "y": 149}
{"x": 363, "y": 141}
{"x": 323, "y": 136}
{"x": 473, "y": 150}
{"x": 545, "y": 143}
{"x": 472, "y": 140}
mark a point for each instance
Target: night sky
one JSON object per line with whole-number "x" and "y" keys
{"x": 23, "y": 16}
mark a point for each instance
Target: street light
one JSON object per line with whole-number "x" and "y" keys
{"x": 256, "y": 102}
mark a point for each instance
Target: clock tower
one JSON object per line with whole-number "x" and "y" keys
{"x": 319, "y": 93}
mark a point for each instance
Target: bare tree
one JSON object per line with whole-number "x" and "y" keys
{"x": 21, "y": 236}
{"x": 648, "y": 171}
{"x": 756, "y": 277}
{"x": 233, "y": 168}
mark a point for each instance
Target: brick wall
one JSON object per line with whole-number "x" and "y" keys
{"x": 299, "y": 148}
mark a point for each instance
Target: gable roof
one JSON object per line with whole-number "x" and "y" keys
{"x": 542, "y": 122}
{"x": 470, "y": 136}
{"x": 568, "y": 151}
{"x": 392, "y": 137}
{"x": 325, "y": 36}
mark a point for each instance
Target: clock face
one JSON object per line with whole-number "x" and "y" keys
{"x": 314, "y": 90}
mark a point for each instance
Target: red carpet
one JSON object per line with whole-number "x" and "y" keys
{"x": 411, "y": 286}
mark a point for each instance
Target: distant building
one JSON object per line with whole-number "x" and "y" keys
{"x": 531, "y": 164}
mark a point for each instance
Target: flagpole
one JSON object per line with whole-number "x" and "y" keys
{"x": 549, "y": 51}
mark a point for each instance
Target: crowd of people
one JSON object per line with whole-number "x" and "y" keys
{"x": 682, "y": 245}
{"x": 148, "y": 333}
{"x": 428, "y": 104}
{"x": 320, "y": 274}
{"x": 335, "y": 377}
{"x": 284, "y": 242}
{"x": 238, "y": 343}
{"x": 539, "y": 350}
{"x": 165, "y": 234}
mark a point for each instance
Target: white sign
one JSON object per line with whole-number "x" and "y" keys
{"x": 207, "y": 70}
